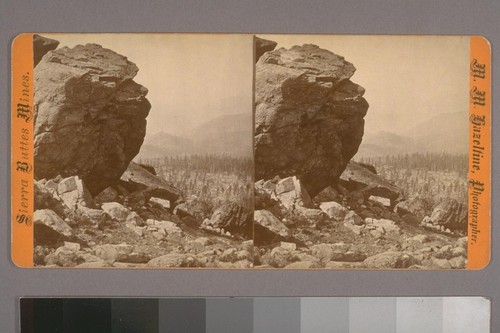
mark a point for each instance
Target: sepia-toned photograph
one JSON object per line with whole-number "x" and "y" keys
{"x": 361, "y": 152}
{"x": 241, "y": 151}
{"x": 143, "y": 150}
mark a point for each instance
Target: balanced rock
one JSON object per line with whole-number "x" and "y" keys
{"x": 309, "y": 115}
{"x": 90, "y": 116}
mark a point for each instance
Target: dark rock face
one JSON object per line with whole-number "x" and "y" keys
{"x": 416, "y": 206}
{"x": 136, "y": 178}
{"x": 90, "y": 116}
{"x": 451, "y": 214}
{"x": 233, "y": 218}
{"x": 357, "y": 177}
{"x": 41, "y": 46}
{"x": 309, "y": 116}
{"x": 262, "y": 46}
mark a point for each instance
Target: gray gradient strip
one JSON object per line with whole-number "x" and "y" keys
{"x": 276, "y": 315}
{"x": 324, "y": 314}
{"x": 372, "y": 314}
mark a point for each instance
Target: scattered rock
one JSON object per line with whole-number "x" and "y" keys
{"x": 344, "y": 265}
{"x": 334, "y": 210}
{"x": 353, "y": 218}
{"x": 327, "y": 195}
{"x": 52, "y": 220}
{"x": 137, "y": 179}
{"x": 116, "y": 211}
{"x": 64, "y": 256}
{"x": 303, "y": 265}
{"x": 107, "y": 253}
{"x": 354, "y": 228}
{"x": 109, "y": 194}
{"x": 174, "y": 260}
{"x": 458, "y": 263}
{"x": 421, "y": 239}
{"x": 389, "y": 259}
{"x": 233, "y": 218}
{"x": 450, "y": 214}
{"x": 441, "y": 263}
{"x": 356, "y": 177}
{"x": 383, "y": 201}
{"x": 73, "y": 193}
{"x": 323, "y": 252}
{"x": 195, "y": 208}
{"x": 271, "y": 223}
{"x": 415, "y": 206}
{"x": 382, "y": 225}
{"x": 462, "y": 242}
{"x": 291, "y": 193}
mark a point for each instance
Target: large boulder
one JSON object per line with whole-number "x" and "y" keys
{"x": 90, "y": 116}
{"x": 357, "y": 177}
{"x": 309, "y": 115}
{"x": 450, "y": 214}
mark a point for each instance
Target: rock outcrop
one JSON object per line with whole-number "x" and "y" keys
{"x": 41, "y": 46}
{"x": 90, "y": 116}
{"x": 357, "y": 177}
{"x": 309, "y": 115}
{"x": 262, "y": 46}
{"x": 138, "y": 179}
{"x": 449, "y": 214}
{"x": 231, "y": 218}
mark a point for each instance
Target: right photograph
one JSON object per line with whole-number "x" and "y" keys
{"x": 361, "y": 147}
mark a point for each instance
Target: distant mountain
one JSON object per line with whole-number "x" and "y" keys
{"x": 230, "y": 134}
{"x": 227, "y": 134}
{"x": 446, "y": 132}
{"x": 384, "y": 143}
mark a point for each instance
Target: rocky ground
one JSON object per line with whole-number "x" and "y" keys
{"x": 118, "y": 228}
{"x": 342, "y": 228}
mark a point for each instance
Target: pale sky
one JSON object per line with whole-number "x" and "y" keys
{"x": 191, "y": 78}
{"x": 408, "y": 79}
{"x": 194, "y": 78}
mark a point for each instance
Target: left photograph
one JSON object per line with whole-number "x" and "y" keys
{"x": 143, "y": 150}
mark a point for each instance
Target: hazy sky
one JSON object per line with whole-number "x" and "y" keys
{"x": 408, "y": 79}
{"x": 191, "y": 78}
{"x": 194, "y": 78}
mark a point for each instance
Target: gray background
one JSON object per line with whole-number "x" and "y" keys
{"x": 340, "y": 17}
